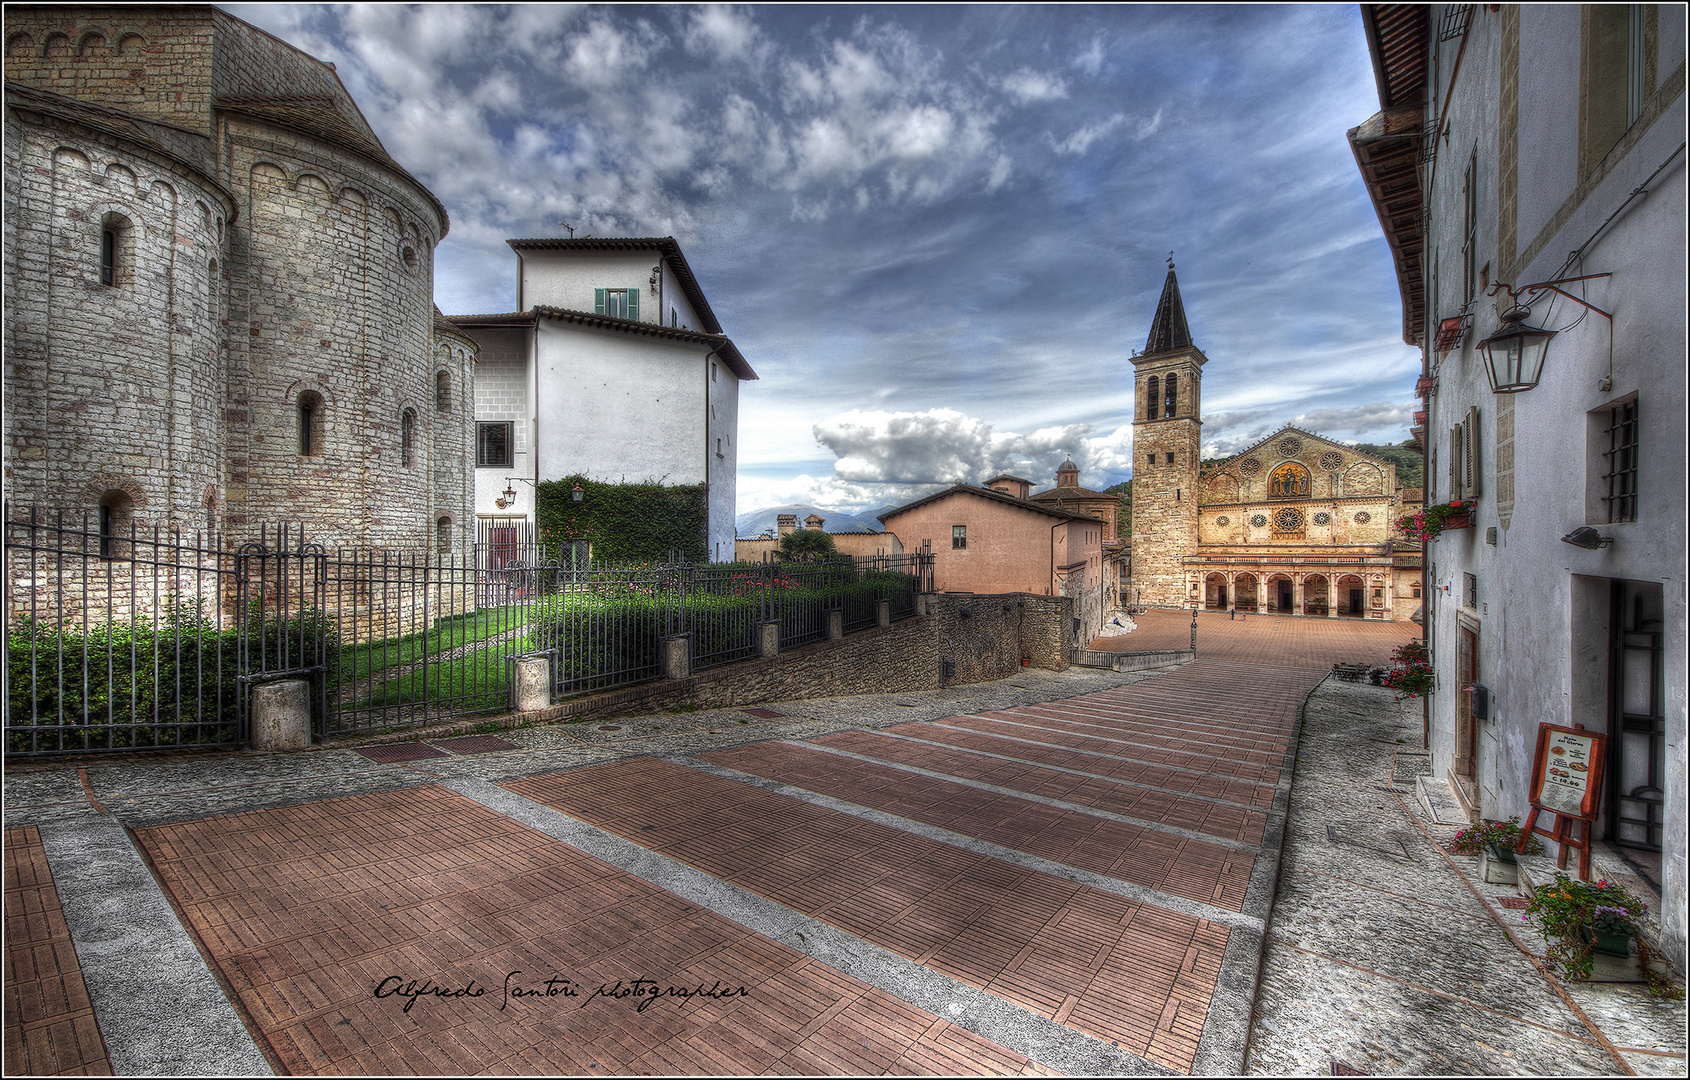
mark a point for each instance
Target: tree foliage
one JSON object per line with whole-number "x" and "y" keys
{"x": 806, "y": 545}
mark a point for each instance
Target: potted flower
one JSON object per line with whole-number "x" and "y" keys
{"x": 1494, "y": 842}
{"x": 1581, "y": 918}
{"x": 1411, "y": 671}
{"x": 1426, "y": 524}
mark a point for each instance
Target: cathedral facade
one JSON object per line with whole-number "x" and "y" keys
{"x": 1295, "y": 525}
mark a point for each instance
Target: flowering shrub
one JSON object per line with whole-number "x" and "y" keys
{"x": 1570, "y": 913}
{"x": 1411, "y": 671}
{"x": 1504, "y": 834}
{"x": 1428, "y": 523}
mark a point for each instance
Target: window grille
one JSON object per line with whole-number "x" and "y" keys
{"x": 1620, "y": 499}
{"x": 493, "y": 443}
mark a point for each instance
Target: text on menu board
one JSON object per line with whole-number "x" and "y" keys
{"x": 1566, "y": 773}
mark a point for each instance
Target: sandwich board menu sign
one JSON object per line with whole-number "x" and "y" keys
{"x": 1567, "y": 779}
{"x": 1567, "y": 782}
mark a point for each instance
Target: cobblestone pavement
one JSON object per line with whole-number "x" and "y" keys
{"x": 1058, "y": 873}
{"x": 1388, "y": 957}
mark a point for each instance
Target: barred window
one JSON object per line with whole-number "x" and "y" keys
{"x": 493, "y": 443}
{"x": 1620, "y": 459}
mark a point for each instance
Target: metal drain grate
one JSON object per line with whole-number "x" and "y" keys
{"x": 475, "y": 744}
{"x": 402, "y": 751}
{"x": 766, "y": 714}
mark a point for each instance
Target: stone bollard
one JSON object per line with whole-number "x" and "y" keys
{"x": 677, "y": 656}
{"x": 768, "y": 638}
{"x": 531, "y": 687}
{"x": 835, "y": 625}
{"x": 281, "y": 715}
{"x": 883, "y": 613}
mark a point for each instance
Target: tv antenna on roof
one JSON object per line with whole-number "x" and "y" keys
{"x": 570, "y": 227}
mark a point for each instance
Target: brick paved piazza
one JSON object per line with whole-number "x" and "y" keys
{"x": 1055, "y": 874}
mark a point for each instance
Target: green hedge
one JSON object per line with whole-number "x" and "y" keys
{"x": 624, "y": 522}
{"x": 136, "y": 685}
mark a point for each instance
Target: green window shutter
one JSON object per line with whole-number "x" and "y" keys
{"x": 598, "y": 301}
{"x": 634, "y": 303}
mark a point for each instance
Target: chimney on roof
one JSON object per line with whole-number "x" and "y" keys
{"x": 815, "y": 521}
{"x": 785, "y": 523}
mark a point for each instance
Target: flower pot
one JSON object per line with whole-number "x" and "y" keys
{"x": 1462, "y": 520}
{"x": 1607, "y": 944}
{"x": 1497, "y": 867}
{"x": 1501, "y": 854}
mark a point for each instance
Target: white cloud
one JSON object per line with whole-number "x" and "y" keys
{"x": 1090, "y": 59}
{"x": 1027, "y": 85}
{"x": 604, "y": 56}
{"x": 1080, "y": 141}
{"x": 724, "y": 33}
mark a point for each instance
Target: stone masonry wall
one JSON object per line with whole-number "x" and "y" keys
{"x": 112, "y": 387}
{"x": 905, "y": 656}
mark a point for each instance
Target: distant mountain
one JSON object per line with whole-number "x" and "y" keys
{"x": 754, "y": 523}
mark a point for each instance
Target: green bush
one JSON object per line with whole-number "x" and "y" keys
{"x": 141, "y": 684}
{"x": 624, "y": 522}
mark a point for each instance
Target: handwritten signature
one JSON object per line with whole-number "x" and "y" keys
{"x": 644, "y": 993}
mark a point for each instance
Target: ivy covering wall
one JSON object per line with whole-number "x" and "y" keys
{"x": 624, "y": 522}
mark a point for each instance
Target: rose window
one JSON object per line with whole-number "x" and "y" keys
{"x": 1258, "y": 521}
{"x": 1290, "y": 447}
{"x": 1332, "y": 461}
{"x": 1223, "y": 521}
{"x": 1323, "y": 519}
{"x": 1249, "y": 466}
{"x": 1288, "y": 519}
{"x": 1363, "y": 517}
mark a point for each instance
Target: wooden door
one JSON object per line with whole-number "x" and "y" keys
{"x": 1466, "y": 727}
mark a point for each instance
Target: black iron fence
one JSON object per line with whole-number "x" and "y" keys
{"x": 151, "y": 640}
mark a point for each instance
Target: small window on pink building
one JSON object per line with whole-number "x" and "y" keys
{"x": 959, "y": 536}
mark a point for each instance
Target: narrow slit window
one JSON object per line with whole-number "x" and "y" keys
{"x": 407, "y": 437}
{"x": 310, "y": 414}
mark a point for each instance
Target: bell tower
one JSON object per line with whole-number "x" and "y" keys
{"x": 1167, "y": 451}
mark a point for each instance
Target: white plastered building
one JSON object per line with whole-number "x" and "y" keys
{"x": 1538, "y": 151}
{"x": 613, "y": 367}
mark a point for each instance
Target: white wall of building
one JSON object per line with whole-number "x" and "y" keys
{"x": 566, "y": 279}
{"x": 503, "y": 391}
{"x": 620, "y": 407}
{"x": 723, "y": 434}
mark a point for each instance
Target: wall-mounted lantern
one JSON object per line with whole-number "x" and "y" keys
{"x": 1514, "y": 354}
{"x": 577, "y": 492}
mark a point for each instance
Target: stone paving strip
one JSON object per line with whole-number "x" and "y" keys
{"x": 50, "y": 1027}
{"x": 445, "y": 906}
{"x": 1121, "y": 971}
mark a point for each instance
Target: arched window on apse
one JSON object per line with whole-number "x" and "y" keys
{"x": 115, "y": 232}
{"x": 407, "y": 437}
{"x": 310, "y": 424}
{"x": 117, "y": 523}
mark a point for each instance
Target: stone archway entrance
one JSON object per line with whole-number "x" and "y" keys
{"x": 1244, "y": 592}
{"x": 1316, "y": 598}
{"x": 1215, "y": 592}
{"x": 1281, "y": 594}
{"x": 1352, "y": 597}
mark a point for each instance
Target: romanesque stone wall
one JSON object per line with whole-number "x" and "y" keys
{"x": 334, "y": 271}
{"x": 112, "y": 388}
{"x": 1000, "y": 629}
{"x": 453, "y": 451}
{"x": 153, "y": 61}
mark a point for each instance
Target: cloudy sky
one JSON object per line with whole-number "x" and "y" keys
{"x": 937, "y": 233}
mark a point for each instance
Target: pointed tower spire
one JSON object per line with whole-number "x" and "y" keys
{"x": 1169, "y": 331}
